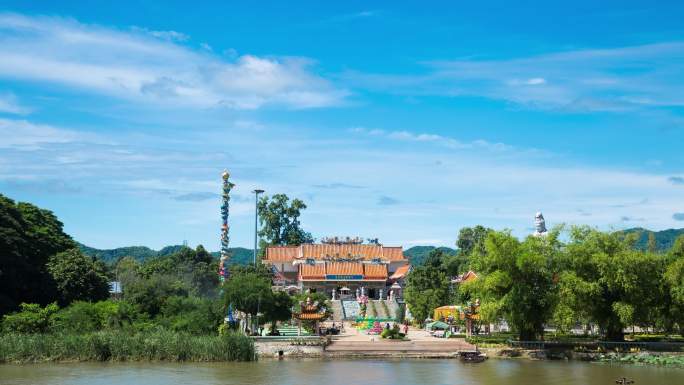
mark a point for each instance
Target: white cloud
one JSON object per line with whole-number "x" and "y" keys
{"x": 152, "y": 67}
{"x": 611, "y": 79}
{"x": 441, "y": 140}
{"x": 21, "y": 134}
{"x": 10, "y": 104}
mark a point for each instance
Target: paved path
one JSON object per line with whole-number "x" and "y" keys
{"x": 420, "y": 341}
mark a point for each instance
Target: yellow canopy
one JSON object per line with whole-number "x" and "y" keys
{"x": 443, "y": 312}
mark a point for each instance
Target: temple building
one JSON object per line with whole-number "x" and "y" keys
{"x": 340, "y": 268}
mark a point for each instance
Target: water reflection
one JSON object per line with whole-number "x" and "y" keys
{"x": 339, "y": 372}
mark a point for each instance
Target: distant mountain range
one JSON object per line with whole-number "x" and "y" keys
{"x": 239, "y": 255}
{"x": 664, "y": 239}
{"x": 417, "y": 254}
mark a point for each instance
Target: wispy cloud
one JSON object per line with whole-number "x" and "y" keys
{"x": 613, "y": 79}
{"x": 385, "y": 200}
{"x": 431, "y": 138}
{"x": 153, "y": 67}
{"x": 631, "y": 219}
{"x": 335, "y": 186}
{"x": 196, "y": 196}
{"x": 24, "y": 135}
{"x": 10, "y": 104}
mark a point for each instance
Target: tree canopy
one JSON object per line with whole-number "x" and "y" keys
{"x": 279, "y": 219}
{"x": 29, "y": 236}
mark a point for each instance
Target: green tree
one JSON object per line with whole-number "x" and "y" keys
{"x": 149, "y": 295}
{"x": 279, "y": 219}
{"x": 607, "y": 282}
{"x": 674, "y": 277}
{"x": 427, "y": 287}
{"x": 82, "y": 317}
{"x": 191, "y": 314}
{"x": 78, "y": 277}
{"x": 247, "y": 292}
{"x": 517, "y": 280}
{"x": 472, "y": 239}
{"x": 278, "y": 309}
{"x": 29, "y": 236}
{"x": 31, "y": 319}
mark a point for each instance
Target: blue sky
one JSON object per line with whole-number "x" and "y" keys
{"x": 402, "y": 121}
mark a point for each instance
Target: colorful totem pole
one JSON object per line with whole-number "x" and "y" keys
{"x": 225, "y": 239}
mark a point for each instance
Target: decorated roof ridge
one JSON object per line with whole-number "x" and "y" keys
{"x": 334, "y": 251}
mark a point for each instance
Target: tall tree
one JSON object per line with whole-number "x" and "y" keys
{"x": 517, "y": 280}
{"x": 472, "y": 239}
{"x": 427, "y": 286}
{"x": 279, "y": 218}
{"x": 29, "y": 236}
{"x": 78, "y": 277}
{"x": 605, "y": 281}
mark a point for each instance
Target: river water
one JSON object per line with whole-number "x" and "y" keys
{"x": 338, "y": 372}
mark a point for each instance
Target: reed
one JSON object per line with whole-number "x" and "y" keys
{"x": 159, "y": 345}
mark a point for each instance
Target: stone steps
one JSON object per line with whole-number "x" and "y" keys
{"x": 380, "y": 346}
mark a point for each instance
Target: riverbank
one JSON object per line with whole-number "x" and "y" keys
{"x": 121, "y": 346}
{"x": 668, "y": 359}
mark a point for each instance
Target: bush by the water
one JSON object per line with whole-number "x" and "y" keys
{"x": 645, "y": 358}
{"x": 159, "y": 345}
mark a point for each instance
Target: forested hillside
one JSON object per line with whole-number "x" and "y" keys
{"x": 239, "y": 256}
{"x": 663, "y": 239}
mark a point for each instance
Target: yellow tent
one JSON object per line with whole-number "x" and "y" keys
{"x": 443, "y": 312}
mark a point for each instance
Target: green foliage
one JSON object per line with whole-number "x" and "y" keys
{"x": 517, "y": 281}
{"x": 417, "y": 254}
{"x": 279, "y": 219}
{"x": 29, "y": 236}
{"x": 427, "y": 287}
{"x": 279, "y": 308}
{"x": 472, "y": 240}
{"x": 392, "y": 333}
{"x": 30, "y": 319}
{"x": 661, "y": 240}
{"x": 247, "y": 292}
{"x": 159, "y": 345}
{"x": 674, "y": 277}
{"x": 191, "y": 314}
{"x": 238, "y": 255}
{"x": 149, "y": 295}
{"x": 82, "y": 317}
{"x": 606, "y": 281}
{"x": 78, "y": 277}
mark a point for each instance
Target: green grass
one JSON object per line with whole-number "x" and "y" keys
{"x": 120, "y": 346}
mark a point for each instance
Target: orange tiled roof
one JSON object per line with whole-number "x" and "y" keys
{"x": 309, "y": 316}
{"x": 372, "y": 271}
{"x": 316, "y": 271}
{"x": 281, "y": 253}
{"x": 401, "y": 272}
{"x": 333, "y": 251}
{"x": 344, "y": 268}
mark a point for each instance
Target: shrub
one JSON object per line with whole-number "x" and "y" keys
{"x": 392, "y": 333}
{"x": 191, "y": 314}
{"x": 83, "y": 317}
{"x": 159, "y": 345}
{"x": 31, "y": 319}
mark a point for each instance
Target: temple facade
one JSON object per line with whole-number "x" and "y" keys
{"x": 340, "y": 269}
